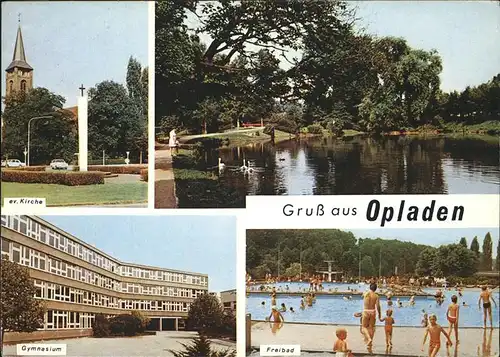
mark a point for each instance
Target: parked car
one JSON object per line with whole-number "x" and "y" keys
{"x": 4, "y": 163}
{"x": 58, "y": 164}
{"x": 15, "y": 163}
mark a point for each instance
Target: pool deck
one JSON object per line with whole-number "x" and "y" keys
{"x": 407, "y": 341}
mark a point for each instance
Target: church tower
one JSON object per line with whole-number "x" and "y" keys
{"x": 19, "y": 76}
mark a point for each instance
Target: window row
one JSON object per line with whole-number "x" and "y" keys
{"x": 31, "y": 258}
{"x": 32, "y": 229}
{"x": 55, "y": 319}
{"x": 56, "y": 292}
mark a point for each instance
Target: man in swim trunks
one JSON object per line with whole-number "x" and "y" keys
{"x": 486, "y": 295}
{"x": 452, "y": 316}
{"x": 371, "y": 306}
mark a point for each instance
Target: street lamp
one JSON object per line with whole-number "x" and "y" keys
{"x": 45, "y": 116}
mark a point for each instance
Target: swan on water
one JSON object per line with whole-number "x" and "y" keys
{"x": 221, "y": 164}
{"x": 244, "y": 167}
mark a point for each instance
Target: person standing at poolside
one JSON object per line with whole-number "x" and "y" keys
{"x": 389, "y": 321}
{"x": 371, "y": 307}
{"x": 452, "y": 316}
{"x": 486, "y": 295}
{"x": 434, "y": 331}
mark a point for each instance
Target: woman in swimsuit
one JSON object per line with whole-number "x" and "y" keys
{"x": 452, "y": 315}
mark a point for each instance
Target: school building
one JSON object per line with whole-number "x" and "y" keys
{"x": 77, "y": 281}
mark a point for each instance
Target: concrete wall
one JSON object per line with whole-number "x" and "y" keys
{"x": 16, "y": 337}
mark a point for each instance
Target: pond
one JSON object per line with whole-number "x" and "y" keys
{"x": 363, "y": 165}
{"x": 337, "y": 310}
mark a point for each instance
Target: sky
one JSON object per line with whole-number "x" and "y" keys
{"x": 433, "y": 237}
{"x": 465, "y": 33}
{"x": 73, "y": 43}
{"x": 200, "y": 244}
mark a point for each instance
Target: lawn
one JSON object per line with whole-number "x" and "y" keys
{"x": 61, "y": 195}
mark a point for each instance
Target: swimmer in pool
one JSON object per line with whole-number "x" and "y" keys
{"x": 283, "y": 307}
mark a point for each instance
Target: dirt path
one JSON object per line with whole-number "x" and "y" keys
{"x": 164, "y": 178}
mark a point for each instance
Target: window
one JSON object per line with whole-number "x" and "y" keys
{"x": 11, "y": 85}
{"x": 23, "y": 85}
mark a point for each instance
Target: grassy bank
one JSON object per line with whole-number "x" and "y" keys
{"x": 197, "y": 188}
{"x": 61, "y": 195}
{"x": 237, "y": 137}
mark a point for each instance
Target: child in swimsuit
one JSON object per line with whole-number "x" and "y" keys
{"x": 452, "y": 316}
{"x": 434, "y": 331}
{"x": 389, "y": 321}
{"x": 340, "y": 346}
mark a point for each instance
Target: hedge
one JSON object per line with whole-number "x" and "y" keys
{"x": 28, "y": 168}
{"x": 144, "y": 175}
{"x": 115, "y": 169}
{"x": 58, "y": 178}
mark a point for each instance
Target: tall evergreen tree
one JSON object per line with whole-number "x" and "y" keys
{"x": 134, "y": 83}
{"x": 474, "y": 246}
{"x": 487, "y": 258}
{"x": 463, "y": 241}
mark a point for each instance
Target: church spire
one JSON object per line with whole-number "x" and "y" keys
{"x": 19, "y": 56}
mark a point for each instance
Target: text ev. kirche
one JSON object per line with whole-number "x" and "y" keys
{"x": 375, "y": 211}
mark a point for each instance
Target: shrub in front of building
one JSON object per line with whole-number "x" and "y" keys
{"x": 124, "y": 325}
{"x": 144, "y": 320}
{"x": 100, "y": 327}
{"x": 207, "y": 316}
{"x": 58, "y": 178}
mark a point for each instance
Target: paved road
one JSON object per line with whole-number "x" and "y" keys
{"x": 158, "y": 345}
{"x": 164, "y": 179}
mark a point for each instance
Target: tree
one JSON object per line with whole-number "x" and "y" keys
{"x": 205, "y": 315}
{"x": 474, "y": 246}
{"x": 498, "y": 256}
{"x": 487, "y": 256}
{"x": 293, "y": 270}
{"x": 53, "y": 137}
{"x": 115, "y": 124}
{"x": 144, "y": 320}
{"x": 425, "y": 261}
{"x": 454, "y": 260}
{"x": 367, "y": 268}
{"x": 19, "y": 310}
{"x": 200, "y": 346}
{"x": 463, "y": 241}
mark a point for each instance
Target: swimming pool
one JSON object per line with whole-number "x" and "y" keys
{"x": 336, "y": 310}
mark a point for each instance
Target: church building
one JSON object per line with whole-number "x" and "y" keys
{"x": 19, "y": 76}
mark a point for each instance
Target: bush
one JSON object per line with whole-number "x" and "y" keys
{"x": 282, "y": 124}
{"x": 29, "y": 168}
{"x": 58, "y": 178}
{"x": 118, "y": 161}
{"x": 115, "y": 169}
{"x": 315, "y": 129}
{"x": 144, "y": 320}
{"x": 144, "y": 175}
{"x": 125, "y": 325}
{"x": 200, "y": 347}
{"x": 100, "y": 327}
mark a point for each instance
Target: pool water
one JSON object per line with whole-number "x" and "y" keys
{"x": 336, "y": 310}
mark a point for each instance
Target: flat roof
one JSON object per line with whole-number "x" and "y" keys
{"x": 119, "y": 262}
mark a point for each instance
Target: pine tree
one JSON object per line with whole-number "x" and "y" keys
{"x": 487, "y": 258}
{"x": 463, "y": 241}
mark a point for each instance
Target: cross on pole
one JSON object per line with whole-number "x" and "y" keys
{"x": 82, "y": 88}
